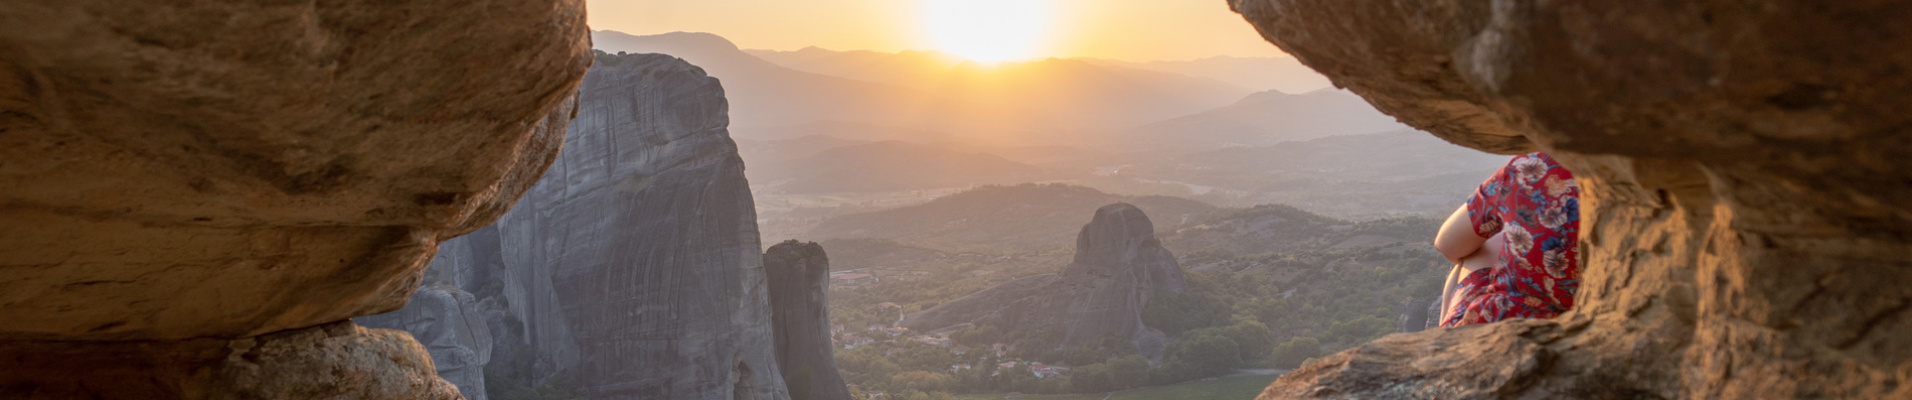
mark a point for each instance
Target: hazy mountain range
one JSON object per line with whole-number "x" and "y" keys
{"x": 880, "y": 128}
{"x": 910, "y": 91}
{"x": 890, "y": 166}
{"x": 1267, "y": 118}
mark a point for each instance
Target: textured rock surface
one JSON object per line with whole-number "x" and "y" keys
{"x": 219, "y": 169}
{"x": 799, "y": 275}
{"x": 1742, "y": 172}
{"x": 182, "y": 177}
{"x": 1118, "y": 266}
{"x": 448, "y": 323}
{"x": 338, "y": 361}
{"x": 634, "y": 267}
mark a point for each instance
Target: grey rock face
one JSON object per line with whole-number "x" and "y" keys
{"x": 633, "y": 266}
{"x": 635, "y": 261}
{"x": 1118, "y": 266}
{"x": 800, "y": 314}
{"x": 447, "y": 322}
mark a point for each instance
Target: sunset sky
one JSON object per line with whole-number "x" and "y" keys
{"x": 987, "y": 30}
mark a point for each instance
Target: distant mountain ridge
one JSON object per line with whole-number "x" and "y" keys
{"x": 1284, "y": 74}
{"x": 922, "y": 91}
{"x": 1270, "y": 117}
{"x": 891, "y": 166}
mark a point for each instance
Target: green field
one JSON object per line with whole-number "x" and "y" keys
{"x": 1243, "y": 387}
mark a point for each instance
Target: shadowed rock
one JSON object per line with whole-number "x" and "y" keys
{"x": 448, "y": 323}
{"x": 188, "y": 171}
{"x": 799, "y": 276}
{"x": 633, "y": 268}
{"x": 1118, "y": 266}
{"x": 1748, "y": 209}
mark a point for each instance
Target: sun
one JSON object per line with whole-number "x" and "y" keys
{"x": 988, "y": 31}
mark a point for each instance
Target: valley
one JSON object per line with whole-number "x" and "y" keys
{"x": 1298, "y": 222}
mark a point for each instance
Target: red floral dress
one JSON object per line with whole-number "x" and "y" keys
{"x": 1535, "y": 204}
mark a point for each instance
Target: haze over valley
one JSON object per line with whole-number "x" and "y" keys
{"x": 1293, "y": 216}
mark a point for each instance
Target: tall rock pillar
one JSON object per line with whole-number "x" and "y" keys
{"x": 799, "y": 311}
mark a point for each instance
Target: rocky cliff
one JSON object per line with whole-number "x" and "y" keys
{"x": 799, "y": 276}
{"x": 636, "y": 262}
{"x": 198, "y": 192}
{"x": 1748, "y": 210}
{"x": 448, "y": 322}
{"x": 633, "y": 268}
{"x": 1118, "y": 266}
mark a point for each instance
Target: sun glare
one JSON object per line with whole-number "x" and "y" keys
{"x": 988, "y": 31}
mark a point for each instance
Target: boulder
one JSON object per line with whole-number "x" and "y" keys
{"x": 223, "y": 169}
{"x": 181, "y": 173}
{"x": 1747, "y": 208}
{"x": 449, "y": 323}
{"x": 799, "y": 275}
{"x": 335, "y": 361}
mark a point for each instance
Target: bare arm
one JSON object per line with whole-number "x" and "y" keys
{"x": 1447, "y": 292}
{"x": 1457, "y": 239}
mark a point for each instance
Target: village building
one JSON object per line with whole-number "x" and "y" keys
{"x": 853, "y": 341}
{"x": 931, "y": 340}
{"x": 853, "y": 279}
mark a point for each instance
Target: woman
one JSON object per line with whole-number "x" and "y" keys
{"x": 1514, "y": 245}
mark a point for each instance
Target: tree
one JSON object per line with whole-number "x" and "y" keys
{"x": 921, "y": 381}
{"x": 1128, "y": 372}
{"x": 1093, "y": 378}
{"x": 1210, "y": 352}
{"x": 1253, "y": 337}
{"x": 1296, "y": 350}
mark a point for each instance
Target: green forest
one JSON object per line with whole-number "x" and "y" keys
{"x": 1302, "y": 293}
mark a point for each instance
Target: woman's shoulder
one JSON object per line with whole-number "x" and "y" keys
{"x": 1538, "y": 162}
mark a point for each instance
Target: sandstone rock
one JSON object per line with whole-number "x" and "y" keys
{"x": 184, "y": 176}
{"x": 1118, "y": 266}
{"x": 210, "y": 168}
{"x": 332, "y": 361}
{"x": 1747, "y": 208}
{"x": 799, "y": 275}
{"x": 448, "y": 323}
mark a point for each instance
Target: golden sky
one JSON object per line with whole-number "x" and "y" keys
{"x": 1134, "y": 30}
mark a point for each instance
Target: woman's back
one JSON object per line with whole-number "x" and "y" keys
{"x": 1531, "y": 211}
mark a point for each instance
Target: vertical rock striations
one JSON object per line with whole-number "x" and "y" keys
{"x": 1118, "y": 266}
{"x": 799, "y": 276}
{"x": 636, "y": 261}
{"x": 1746, "y": 197}
{"x": 189, "y": 172}
{"x": 633, "y": 269}
{"x": 448, "y": 322}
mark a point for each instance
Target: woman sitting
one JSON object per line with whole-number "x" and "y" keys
{"x": 1514, "y": 244}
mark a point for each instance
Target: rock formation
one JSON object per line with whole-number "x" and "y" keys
{"x": 633, "y": 268}
{"x": 1118, "y": 266}
{"x": 448, "y": 322}
{"x": 1748, "y": 206}
{"x": 799, "y": 276}
{"x": 184, "y": 177}
{"x": 636, "y": 262}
